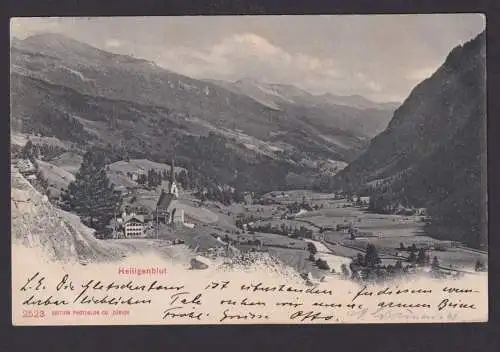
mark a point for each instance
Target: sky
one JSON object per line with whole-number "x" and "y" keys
{"x": 381, "y": 57}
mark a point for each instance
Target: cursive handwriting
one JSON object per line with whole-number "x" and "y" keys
{"x": 391, "y": 315}
{"x": 384, "y": 305}
{"x": 387, "y": 291}
{"x": 459, "y": 290}
{"x": 39, "y": 284}
{"x": 239, "y": 316}
{"x": 33, "y": 301}
{"x": 311, "y": 316}
{"x": 283, "y": 288}
{"x": 106, "y": 299}
{"x": 288, "y": 304}
{"x": 217, "y": 284}
{"x": 179, "y": 297}
{"x": 65, "y": 284}
{"x": 168, "y": 313}
{"x": 244, "y": 302}
{"x": 446, "y": 303}
{"x": 337, "y": 305}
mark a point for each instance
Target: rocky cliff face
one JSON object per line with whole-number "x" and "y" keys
{"x": 60, "y": 235}
{"x": 432, "y": 153}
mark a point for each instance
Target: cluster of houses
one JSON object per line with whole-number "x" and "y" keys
{"x": 168, "y": 211}
{"x": 363, "y": 201}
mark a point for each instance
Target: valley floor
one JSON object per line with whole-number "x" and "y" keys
{"x": 386, "y": 232}
{"x": 216, "y": 228}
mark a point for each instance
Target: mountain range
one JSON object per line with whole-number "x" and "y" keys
{"x": 433, "y": 152}
{"x": 263, "y": 136}
{"x": 70, "y": 90}
{"x": 353, "y": 113}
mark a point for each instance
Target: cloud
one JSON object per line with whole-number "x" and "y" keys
{"x": 249, "y": 55}
{"x": 380, "y": 57}
{"x": 23, "y": 27}
{"x": 113, "y": 43}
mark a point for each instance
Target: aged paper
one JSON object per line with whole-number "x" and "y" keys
{"x": 162, "y": 177}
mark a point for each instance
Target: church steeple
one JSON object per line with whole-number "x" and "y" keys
{"x": 172, "y": 171}
{"x": 173, "y": 187}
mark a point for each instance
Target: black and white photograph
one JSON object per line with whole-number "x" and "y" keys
{"x": 325, "y": 150}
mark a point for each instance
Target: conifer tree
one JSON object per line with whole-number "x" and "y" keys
{"x": 421, "y": 257}
{"x": 479, "y": 265}
{"x": 412, "y": 258}
{"x": 371, "y": 257}
{"x": 435, "y": 264}
{"x": 29, "y": 151}
{"x": 91, "y": 195}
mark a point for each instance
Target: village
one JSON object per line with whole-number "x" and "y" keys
{"x": 320, "y": 235}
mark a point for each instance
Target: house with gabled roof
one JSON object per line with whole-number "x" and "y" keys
{"x": 133, "y": 225}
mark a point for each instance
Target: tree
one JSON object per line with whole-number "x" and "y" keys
{"x": 479, "y": 265}
{"x": 421, "y": 257}
{"x": 412, "y": 258}
{"x": 371, "y": 257}
{"x": 239, "y": 224}
{"x": 29, "y": 151}
{"x": 345, "y": 271}
{"x": 322, "y": 264}
{"x": 359, "y": 260}
{"x": 91, "y": 195}
{"x": 402, "y": 246}
{"x": 435, "y": 263}
{"x": 311, "y": 248}
{"x": 142, "y": 179}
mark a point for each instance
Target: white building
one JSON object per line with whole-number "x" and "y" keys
{"x": 364, "y": 200}
{"x": 421, "y": 211}
{"x": 133, "y": 225}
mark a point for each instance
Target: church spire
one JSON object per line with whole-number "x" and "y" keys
{"x": 172, "y": 171}
{"x": 173, "y": 187}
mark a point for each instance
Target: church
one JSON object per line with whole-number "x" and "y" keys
{"x": 168, "y": 209}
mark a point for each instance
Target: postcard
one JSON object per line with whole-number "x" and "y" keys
{"x": 248, "y": 170}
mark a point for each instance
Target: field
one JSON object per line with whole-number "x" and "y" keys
{"x": 342, "y": 251}
{"x": 458, "y": 258}
{"x": 289, "y": 223}
{"x": 56, "y": 177}
{"x": 297, "y": 259}
{"x": 269, "y": 239}
{"x": 297, "y": 196}
{"x": 121, "y": 181}
{"x": 386, "y": 232}
{"x": 140, "y": 166}
{"x": 69, "y": 161}
{"x": 334, "y": 261}
{"x": 21, "y": 139}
